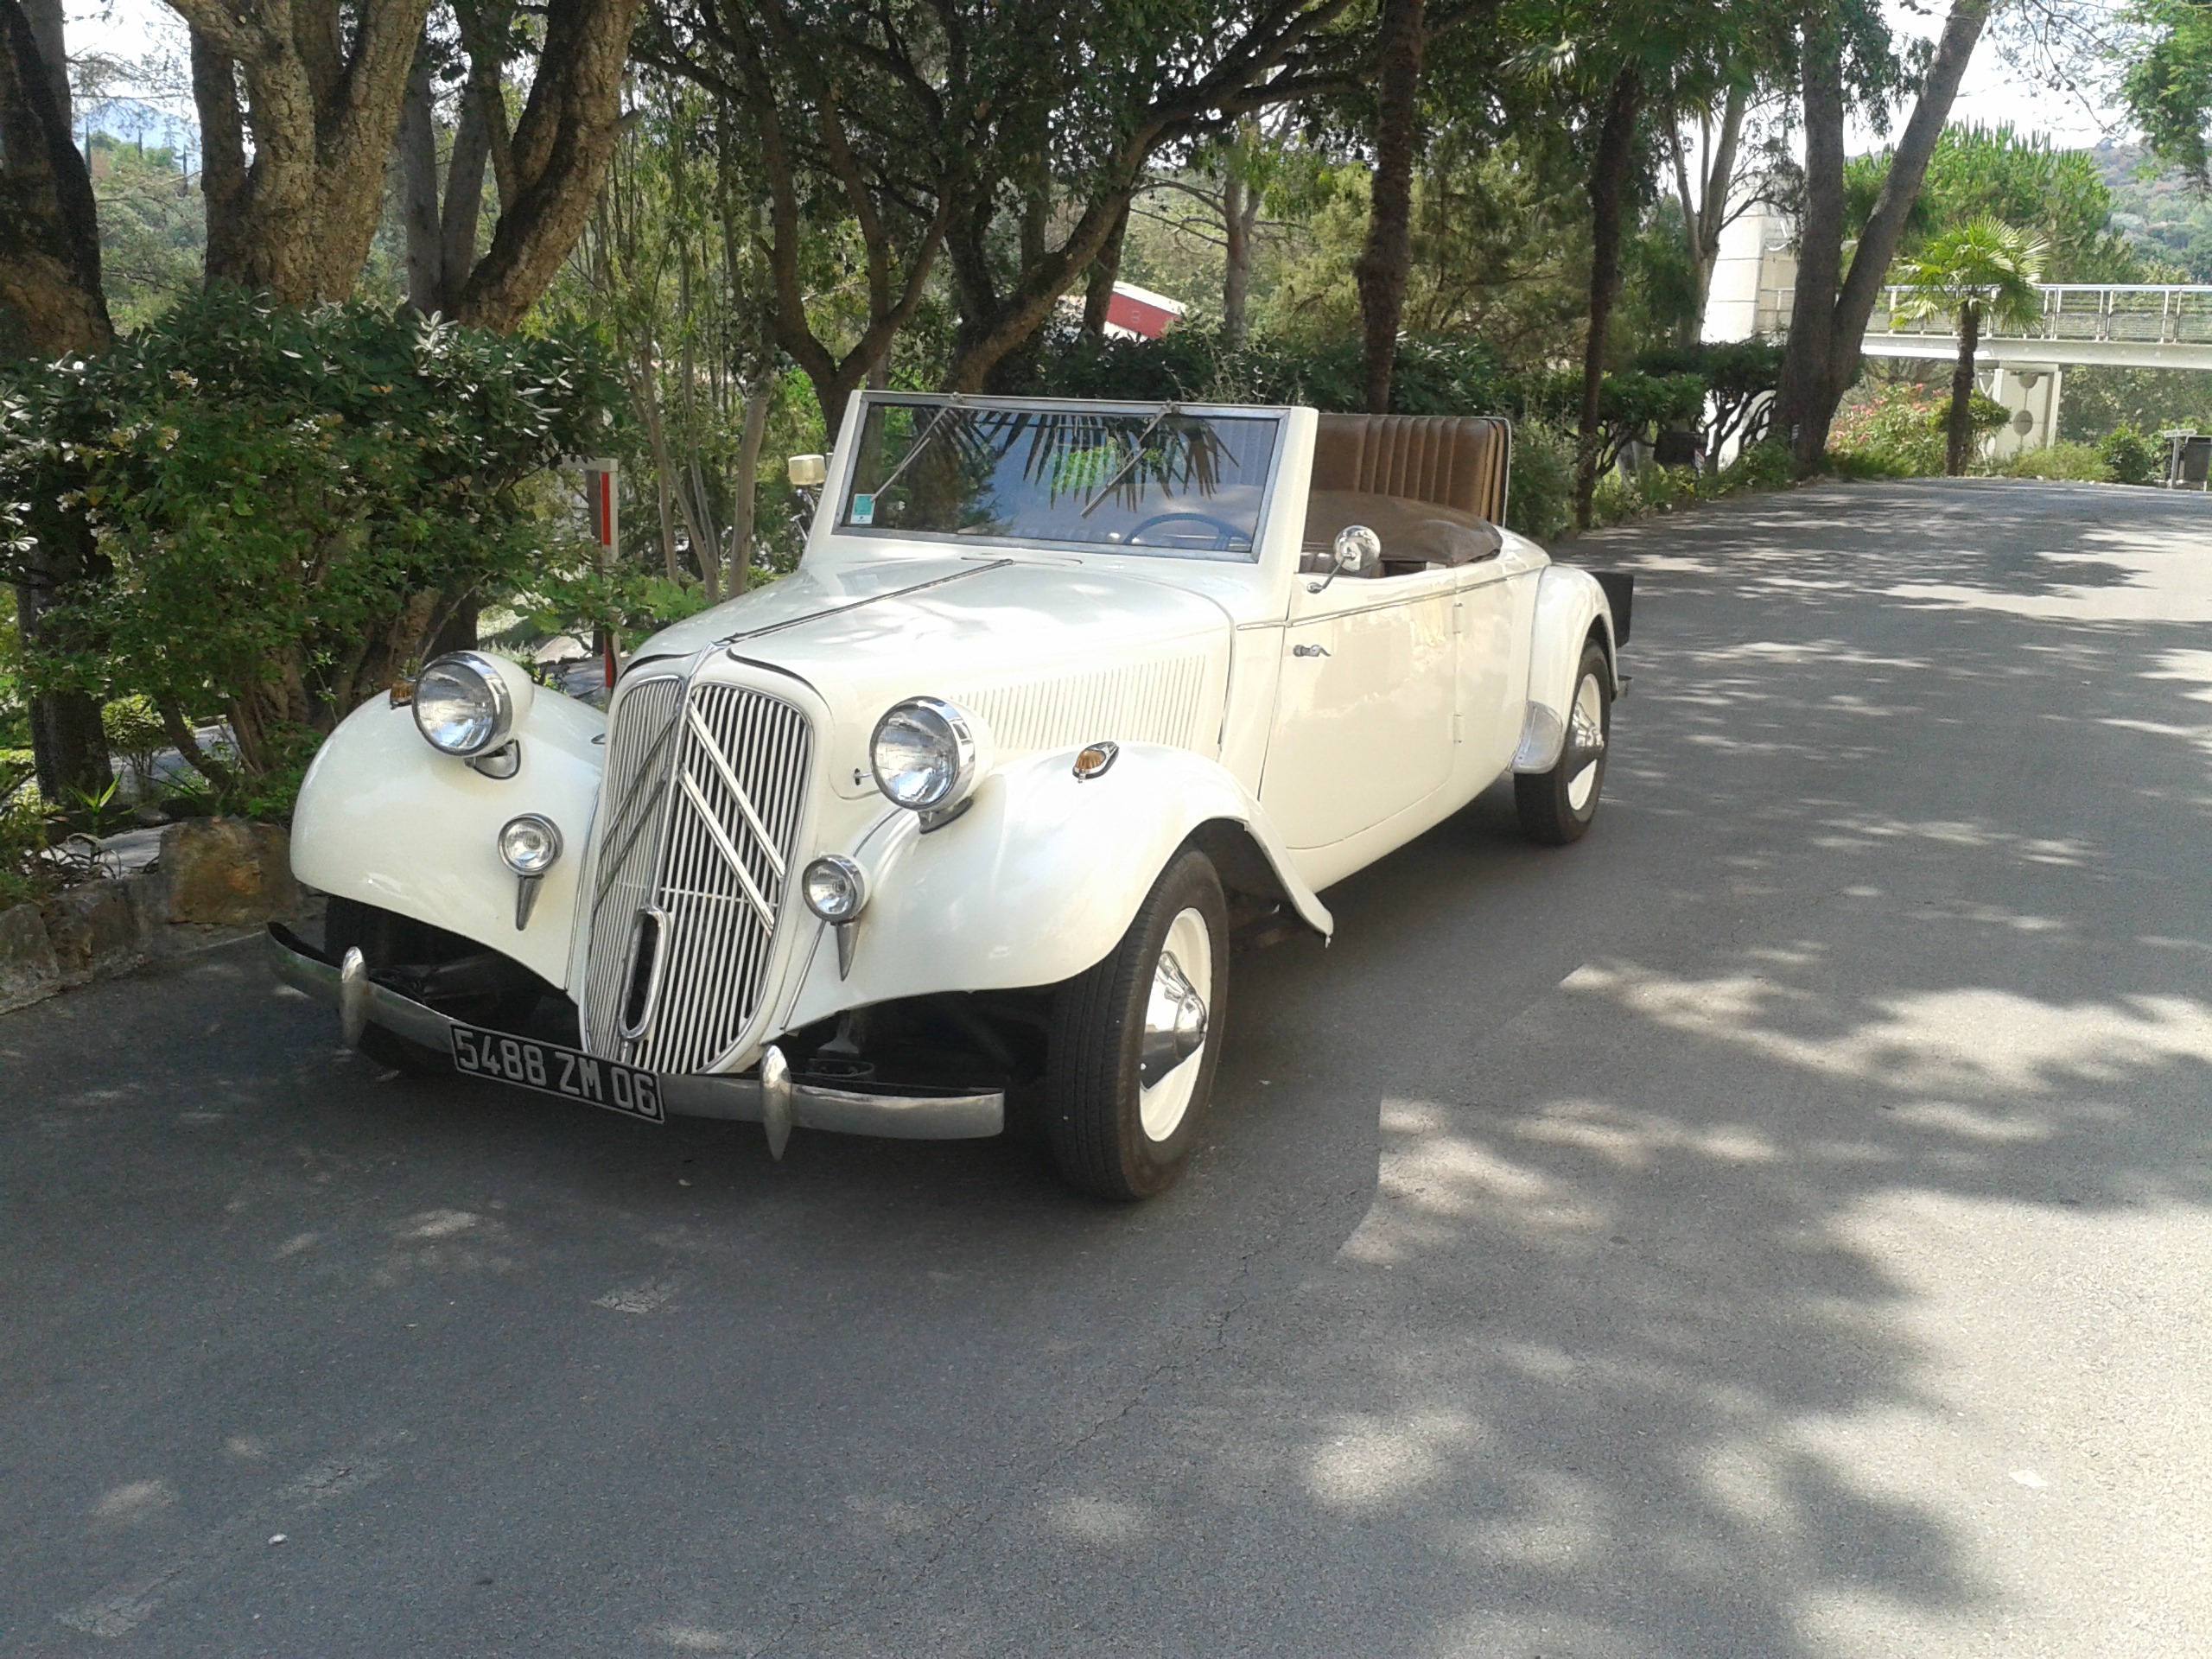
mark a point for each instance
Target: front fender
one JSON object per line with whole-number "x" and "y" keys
{"x": 1036, "y": 881}
{"x": 1569, "y": 603}
{"x": 385, "y": 818}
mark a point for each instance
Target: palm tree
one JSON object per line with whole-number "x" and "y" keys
{"x": 1983, "y": 269}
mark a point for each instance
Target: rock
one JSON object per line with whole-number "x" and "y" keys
{"x": 27, "y": 969}
{"x": 93, "y": 929}
{"x": 227, "y": 872}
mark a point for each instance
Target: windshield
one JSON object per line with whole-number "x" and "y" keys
{"x": 1147, "y": 481}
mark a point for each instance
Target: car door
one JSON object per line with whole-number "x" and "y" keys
{"x": 1365, "y": 705}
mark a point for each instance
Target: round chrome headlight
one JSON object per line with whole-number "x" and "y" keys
{"x": 461, "y": 703}
{"x": 925, "y": 753}
{"x": 530, "y": 844}
{"x": 835, "y": 889}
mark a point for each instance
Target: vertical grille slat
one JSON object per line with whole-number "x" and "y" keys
{"x": 672, "y": 751}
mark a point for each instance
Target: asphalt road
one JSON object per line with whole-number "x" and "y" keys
{"x": 1781, "y": 1225}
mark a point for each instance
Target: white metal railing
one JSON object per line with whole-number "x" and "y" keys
{"x": 2149, "y": 312}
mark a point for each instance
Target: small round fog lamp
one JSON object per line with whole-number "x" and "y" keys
{"x": 530, "y": 844}
{"x": 835, "y": 889}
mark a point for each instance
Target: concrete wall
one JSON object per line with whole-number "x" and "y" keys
{"x": 2032, "y": 393}
{"x": 1753, "y": 279}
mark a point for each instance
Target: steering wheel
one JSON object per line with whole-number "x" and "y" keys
{"x": 1225, "y": 532}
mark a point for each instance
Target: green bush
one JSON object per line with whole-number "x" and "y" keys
{"x": 292, "y": 503}
{"x": 1765, "y": 465}
{"x": 2131, "y": 458}
{"x": 1540, "y": 491}
{"x": 1900, "y": 431}
{"x": 1737, "y": 376}
{"x": 134, "y": 731}
{"x": 2074, "y": 461}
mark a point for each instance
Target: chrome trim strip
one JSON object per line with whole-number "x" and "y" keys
{"x": 1543, "y": 735}
{"x": 658, "y": 919}
{"x": 727, "y": 849}
{"x": 836, "y": 1111}
{"x": 768, "y": 847}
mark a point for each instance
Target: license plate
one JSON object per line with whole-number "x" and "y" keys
{"x": 552, "y": 1070}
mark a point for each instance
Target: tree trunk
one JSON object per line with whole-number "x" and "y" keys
{"x": 1105, "y": 270}
{"x": 322, "y": 96}
{"x": 992, "y": 326}
{"x": 1802, "y": 406}
{"x": 50, "y": 255}
{"x": 1383, "y": 263}
{"x": 418, "y": 186}
{"x": 1959, "y": 433}
{"x": 1829, "y": 311}
{"x": 1705, "y": 208}
{"x": 745, "y": 484}
{"x": 1877, "y": 243}
{"x": 1608, "y": 191}
{"x": 1240, "y": 210}
{"x": 50, "y": 279}
{"x": 559, "y": 153}
{"x": 464, "y": 202}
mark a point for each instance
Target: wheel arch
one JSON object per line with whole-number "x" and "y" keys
{"x": 1038, "y": 881}
{"x": 1571, "y": 608}
{"x": 384, "y": 819}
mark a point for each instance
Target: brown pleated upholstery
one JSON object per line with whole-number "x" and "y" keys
{"x": 1454, "y": 461}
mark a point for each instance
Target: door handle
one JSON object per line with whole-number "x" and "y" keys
{"x": 1309, "y": 651}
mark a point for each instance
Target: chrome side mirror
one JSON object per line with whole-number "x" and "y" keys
{"x": 807, "y": 472}
{"x": 1358, "y": 552}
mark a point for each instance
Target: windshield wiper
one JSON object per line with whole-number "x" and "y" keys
{"x": 1136, "y": 454}
{"x": 919, "y": 444}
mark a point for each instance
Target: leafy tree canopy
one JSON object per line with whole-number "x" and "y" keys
{"x": 288, "y": 501}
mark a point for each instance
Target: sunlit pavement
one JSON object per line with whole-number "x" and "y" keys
{"x": 1781, "y": 1225}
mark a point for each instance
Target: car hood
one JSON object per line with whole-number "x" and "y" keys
{"x": 1046, "y": 655}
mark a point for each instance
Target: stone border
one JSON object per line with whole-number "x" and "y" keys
{"x": 215, "y": 881}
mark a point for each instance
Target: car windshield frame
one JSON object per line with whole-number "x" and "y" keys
{"x": 936, "y": 408}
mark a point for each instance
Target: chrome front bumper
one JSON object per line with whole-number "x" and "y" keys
{"x": 780, "y": 1104}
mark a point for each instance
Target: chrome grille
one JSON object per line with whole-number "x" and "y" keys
{"x": 705, "y": 789}
{"x": 640, "y": 734}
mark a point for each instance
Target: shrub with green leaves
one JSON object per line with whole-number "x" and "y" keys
{"x": 2131, "y": 458}
{"x": 1898, "y": 432}
{"x": 1539, "y": 490}
{"x": 1740, "y": 377}
{"x": 291, "y": 504}
{"x": 2084, "y": 461}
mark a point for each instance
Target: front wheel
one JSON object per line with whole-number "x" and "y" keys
{"x": 1556, "y": 806}
{"x": 1135, "y": 1041}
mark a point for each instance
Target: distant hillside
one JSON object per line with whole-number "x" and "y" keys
{"x": 2162, "y": 215}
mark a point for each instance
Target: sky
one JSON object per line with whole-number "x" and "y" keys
{"x": 132, "y": 28}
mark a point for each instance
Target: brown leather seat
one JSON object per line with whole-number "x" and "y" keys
{"x": 1453, "y": 460}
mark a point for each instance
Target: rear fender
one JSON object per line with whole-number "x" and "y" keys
{"x": 1570, "y": 606}
{"x": 1039, "y": 878}
{"x": 385, "y": 818}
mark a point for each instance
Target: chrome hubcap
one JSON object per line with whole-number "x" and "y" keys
{"x": 1585, "y": 742}
{"x": 1175, "y": 1024}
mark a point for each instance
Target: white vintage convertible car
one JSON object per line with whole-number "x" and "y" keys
{"x": 965, "y": 816}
